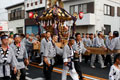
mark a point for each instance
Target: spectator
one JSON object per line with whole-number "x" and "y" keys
{"x": 115, "y": 69}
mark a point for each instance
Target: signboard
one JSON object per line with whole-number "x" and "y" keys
{"x": 3, "y": 26}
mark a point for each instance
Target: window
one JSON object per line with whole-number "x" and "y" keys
{"x": 118, "y": 11}
{"x": 13, "y": 14}
{"x": 109, "y": 10}
{"x": 79, "y": 8}
{"x": 90, "y": 7}
{"x": 36, "y": 3}
{"x": 19, "y": 30}
{"x": 105, "y": 9}
{"x": 40, "y": 1}
{"x": 107, "y": 29}
{"x": 72, "y": 9}
{"x": 18, "y": 9}
{"x": 16, "y": 14}
{"x": 85, "y": 8}
{"x": 19, "y": 13}
{"x": 76, "y": 8}
{"x": 27, "y": 5}
{"x": 31, "y": 4}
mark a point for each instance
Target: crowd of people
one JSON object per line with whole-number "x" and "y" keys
{"x": 16, "y": 52}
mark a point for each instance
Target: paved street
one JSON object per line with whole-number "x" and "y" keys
{"x": 35, "y": 72}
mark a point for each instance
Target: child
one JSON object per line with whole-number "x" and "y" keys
{"x": 115, "y": 69}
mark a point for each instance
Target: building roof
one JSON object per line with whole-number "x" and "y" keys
{"x": 15, "y": 5}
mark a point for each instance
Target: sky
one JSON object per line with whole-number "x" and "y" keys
{"x": 3, "y": 5}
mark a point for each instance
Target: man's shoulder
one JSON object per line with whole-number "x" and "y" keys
{"x": 43, "y": 40}
{"x": 115, "y": 39}
{"x": 118, "y": 38}
{"x": 66, "y": 46}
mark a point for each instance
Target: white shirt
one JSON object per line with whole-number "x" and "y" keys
{"x": 114, "y": 73}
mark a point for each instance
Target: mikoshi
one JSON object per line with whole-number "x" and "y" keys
{"x": 58, "y": 21}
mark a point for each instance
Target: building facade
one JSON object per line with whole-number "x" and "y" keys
{"x": 36, "y": 7}
{"x": 99, "y": 15}
{"x": 16, "y": 15}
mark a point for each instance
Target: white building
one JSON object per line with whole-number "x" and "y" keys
{"x": 36, "y": 7}
{"x": 99, "y": 15}
{"x": 16, "y": 15}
